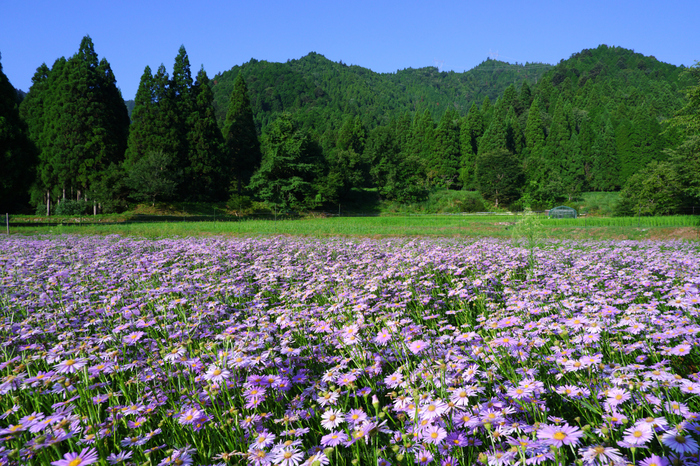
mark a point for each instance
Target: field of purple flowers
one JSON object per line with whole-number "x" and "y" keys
{"x": 293, "y": 351}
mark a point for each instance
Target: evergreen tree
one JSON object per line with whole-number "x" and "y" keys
{"x": 17, "y": 154}
{"x": 572, "y": 168}
{"x": 534, "y": 131}
{"x": 143, "y": 117}
{"x": 167, "y": 130}
{"x": 84, "y": 120}
{"x": 525, "y": 96}
{"x": 625, "y": 152}
{"x": 290, "y": 168}
{"x": 445, "y": 160}
{"x": 515, "y": 139}
{"x": 346, "y": 160}
{"x": 242, "y": 147}
{"x": 420, "y": 144}
{"x": 499, "y": 176}
{"x": 153, "y": 177}
{"x": 178, "y": 107}
{"x": 204, "y": 174}
{"x": 495, "y": 136}
{"x": 605, "y": 166}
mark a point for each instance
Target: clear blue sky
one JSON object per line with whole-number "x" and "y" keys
{"x": 383, "y": 36}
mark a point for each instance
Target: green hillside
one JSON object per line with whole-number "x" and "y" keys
{"x": 320, "y": 93}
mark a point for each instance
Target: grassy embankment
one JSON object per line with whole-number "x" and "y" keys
{"x": 504, "y": 226}
{"x": 428, "y": 218}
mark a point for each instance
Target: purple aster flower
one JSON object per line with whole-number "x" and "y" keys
{"x": 639, "y": 434}
{"x": 118, "y": 458}
{"x": 263, "y": 440}
{"x": 433, "y": 410}
{"x": 417, "y": 346}
{"x": 216, "y": 374}
{"x": 334, "y": 438}
{"x": 599, "y": 454}
{"x": 679, "y": 443}
{"x": 85, "y": 457}
{"x": 434, "y": 434}
{"x": 70, "y": 366}
{"x": 288, "y": 456}
{"x": 654, "y": 460}
{"x": 332, "y": 419}
{"x": 132, "y": 338}
{"x": 383, "y": 337}
{"x": 393, "y": 380}
{"x": 560, "y": 435}
{"x": 424, "y": 457}
{"x": 356, "y": 416}
{"x": 191, "y": 416}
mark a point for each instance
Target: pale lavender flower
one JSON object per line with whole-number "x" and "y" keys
{"x": 85, "y": 457}
{"x": 560, "y": 435}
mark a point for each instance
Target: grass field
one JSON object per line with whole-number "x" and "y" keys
{"x": 503, "y": 226}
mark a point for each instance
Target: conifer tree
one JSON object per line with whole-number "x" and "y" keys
{"x": 179, "y": 106}
{"x": 605, "y": 166}
{"x": 420, "y": 144}
{"x": 347, "y": 157}
{"x": 83, "y": 122}
{"x": 525, "y": 95}
{"x": 534, "y": 131}
{"x": 242, "y": 147}
{"x": 471, "y": 128}
{"x": 290, "y": 167}
{"x": 499, "y": 176}
{"x": 17, "y": 154}
{"x": 495, "y": 135}
{"x": 446, "y": 153}
{"x": 204, "y": 174}
{"x": 143, "y": 116}
{"x": 515, "y": 139}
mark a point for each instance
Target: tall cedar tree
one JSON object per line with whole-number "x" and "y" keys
{"x": 420, "y": 145}
{"x": 606, "y": 168}
{"x": 445, "y": 156}
{"x": 470, "y": 131}
{"x": 205, "y": 162}
{"x": 347, "y": 160}
{"x": 495, "y": 135}
{"x": 83, "y": 121}
{"x": 17, "y": 153}
{"x": 143, "y": 116}
{"x": 179, "y": 106}
{"x": 242, "y": 147}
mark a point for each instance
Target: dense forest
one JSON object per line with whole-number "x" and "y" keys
{"x": 309, "y": 133}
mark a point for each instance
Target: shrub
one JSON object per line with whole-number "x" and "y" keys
{"x": 70, "y": 207}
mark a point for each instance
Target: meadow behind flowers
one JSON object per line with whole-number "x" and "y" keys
{"x": 282, "y": 350}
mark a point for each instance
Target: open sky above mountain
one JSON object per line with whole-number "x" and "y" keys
{"x": 383, "y": 36}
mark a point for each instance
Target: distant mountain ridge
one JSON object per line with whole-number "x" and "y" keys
{"x": 320, "y": 93}
{"x": 323, "y": 91}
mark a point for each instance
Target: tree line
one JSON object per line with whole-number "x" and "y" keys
{"x": 605, "y": 119}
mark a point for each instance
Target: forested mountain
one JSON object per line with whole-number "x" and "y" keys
{"x": 311, "y": 132}
{"x": 320, "y": 93}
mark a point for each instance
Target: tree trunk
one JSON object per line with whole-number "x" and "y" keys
{"x": 48, "y": 203}
{"x": 94, "y": 208}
